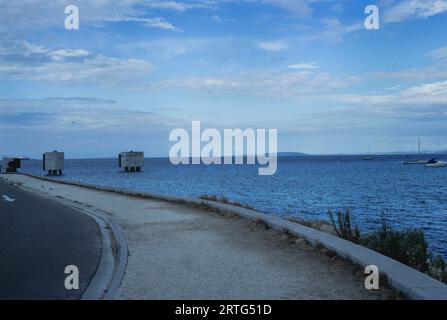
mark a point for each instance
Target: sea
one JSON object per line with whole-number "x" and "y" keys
{"x": 408, "y": 196}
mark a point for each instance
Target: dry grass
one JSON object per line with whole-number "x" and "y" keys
{"x": 225, "y": 200}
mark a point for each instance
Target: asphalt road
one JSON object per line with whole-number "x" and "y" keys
{"x": 38, "y": 239}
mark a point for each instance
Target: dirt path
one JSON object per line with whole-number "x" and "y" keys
{"x": 177, "y": 252}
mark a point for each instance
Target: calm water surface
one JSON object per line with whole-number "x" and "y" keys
{"x": 409, "y": 196}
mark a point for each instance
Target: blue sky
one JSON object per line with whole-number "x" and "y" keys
{"x": 137, "y": 69}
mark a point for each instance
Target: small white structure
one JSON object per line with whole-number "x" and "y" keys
{"x": 53, "y": 163}
{"x": 131, "y": 161}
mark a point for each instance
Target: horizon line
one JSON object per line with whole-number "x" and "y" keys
{"x": 279, "y": 154}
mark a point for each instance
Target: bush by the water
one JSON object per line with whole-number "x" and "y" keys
{"x": 407, "y": 246}
{"x": 343, "y": 226}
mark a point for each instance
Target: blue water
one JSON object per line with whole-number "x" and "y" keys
{"x": 409, "y": 196}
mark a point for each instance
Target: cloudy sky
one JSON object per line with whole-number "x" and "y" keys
{"x": 137, "y": 69}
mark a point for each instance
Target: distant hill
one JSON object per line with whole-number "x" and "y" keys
{"x": 291, "y": 154}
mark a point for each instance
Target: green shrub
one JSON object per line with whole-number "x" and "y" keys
{"x": 343, "y": 226}
{"x": 407, "y": 246}
{"x": 438, "y": 268}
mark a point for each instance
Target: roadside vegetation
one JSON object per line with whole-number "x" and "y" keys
{"x": 407, "y": 246}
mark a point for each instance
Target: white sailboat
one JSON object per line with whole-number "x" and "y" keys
{"x": 416, "y": 161}
{"x": 368, "y": 158}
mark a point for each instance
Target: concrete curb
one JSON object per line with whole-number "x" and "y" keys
{"x": 113, "y": 263}
{"x": 410, "y": 282}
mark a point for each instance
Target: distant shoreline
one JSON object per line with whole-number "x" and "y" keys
{"x": 297, "y": 155}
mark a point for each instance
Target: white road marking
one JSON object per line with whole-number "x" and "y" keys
{"x": 8, "y": 199}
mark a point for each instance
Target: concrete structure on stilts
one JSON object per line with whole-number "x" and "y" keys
{"x": 131, "y": 161}
{"x": 10, "y": 165}
{"x": 53, "y": 163}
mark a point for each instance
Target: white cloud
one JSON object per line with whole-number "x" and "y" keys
{"x": 161, "y": 23}
{"x": 410, "y": 9}
{"x": 181, "y": 5}
{"x": 59, "y": 55}
{"x": 421, "y": 103}
{"x": 297, "y": 84}
{"x": 435, "y": 89}
{"x": 394, "y": 88}
{"x": 304, "y": 66}
{"x": 28, "y": 49}
{"x": 75, "y": 114}
{"x": 157, "y": 22}
{"x": 429, "y": 73}
{"x": 216, "y": 18}
{"x": 299, "y": 7}
{"x": 168, "y": 48}
{"x": 168, "y": 5}
{"x": 273, "y": 46}
{"x": 82, "y": 127}
{"x": 31, "y": 15}
{"x": 438, "y": 54}
{"x": 25, "y": 61}
{"x": 417, "y": 97}
{"x": 335, "y": 30}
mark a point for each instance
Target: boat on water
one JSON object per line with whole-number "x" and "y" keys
{"x": 436, "y": 163}
{"x": 368, "y": 157}
{"x": 416, "y": 161}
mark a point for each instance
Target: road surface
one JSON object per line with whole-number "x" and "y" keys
{"x": 38, "y": 239}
